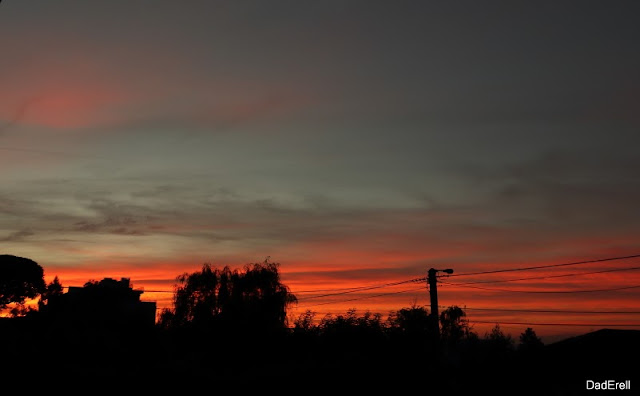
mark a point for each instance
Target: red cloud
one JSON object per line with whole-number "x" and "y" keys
{"x": 69, "y": 108}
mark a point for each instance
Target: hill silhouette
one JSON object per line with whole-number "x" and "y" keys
{"x": 599, "y": 355}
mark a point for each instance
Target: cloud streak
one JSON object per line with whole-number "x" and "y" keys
{"x": 17, "y": 236}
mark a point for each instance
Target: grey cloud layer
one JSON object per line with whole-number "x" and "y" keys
{"x": 533, "y": 206}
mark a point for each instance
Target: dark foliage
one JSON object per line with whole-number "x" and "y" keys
{"x": 20, "y": 279}
{"x": 53, "y": 293}
{"x": 530, "y": 342}
{"x": 230, "y": 300}
{"x": 454, "y": 325}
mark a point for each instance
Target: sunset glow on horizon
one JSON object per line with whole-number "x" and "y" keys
{"x": 529, "y": 296}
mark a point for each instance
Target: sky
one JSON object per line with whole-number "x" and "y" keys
{"x": 354, "y": 142}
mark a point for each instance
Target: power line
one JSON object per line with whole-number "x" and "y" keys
{"x": 546, "y": 276}
{"x": 325, "y": 313}
{"x": 331, "y": 289}
{"x": 560, "y": 311}
{"x": 356, "y": 289}
{"x": 142, "y": 290}
{"x": 558, "y": 324}
{"x": 548, "y": 311}
{"x": 363, "y": 297}
{"x": 546, "y": 291}
{"x": 364, "y": 288}
{"x": 547, "y": 266}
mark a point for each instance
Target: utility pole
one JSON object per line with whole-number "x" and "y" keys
{"x": 433, "y": 294}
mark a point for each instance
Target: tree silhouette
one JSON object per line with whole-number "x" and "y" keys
{"x": 529, "y": 341}
{"x": 20, "y": 279}
{"x": 454, "y": 325}
{"x": 412, "y": 322}
{"x": 367, "y": 325}
{"x": 499, "y": 343}
{"x": 52, "y": 292}
{"x": 304, "y": 323}
{"x": 251, "y": 299}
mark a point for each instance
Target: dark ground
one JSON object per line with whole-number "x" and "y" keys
{"x": 36, "y": 357}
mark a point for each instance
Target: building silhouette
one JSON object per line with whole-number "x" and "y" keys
{"x": 108, "y": 304}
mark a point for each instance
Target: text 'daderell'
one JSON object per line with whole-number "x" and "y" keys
{"x": 609, "y": 385}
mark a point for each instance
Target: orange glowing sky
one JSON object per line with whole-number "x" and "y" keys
{"x": 356, "y": 144}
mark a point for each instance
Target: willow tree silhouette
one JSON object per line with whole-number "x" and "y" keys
{"x": 223, "y": 318}
{"x": 20, "y": 279}
{"x": 249, "y": 300}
